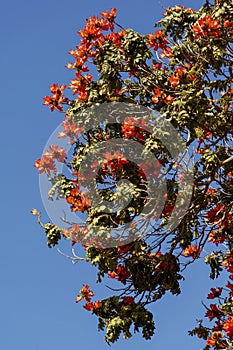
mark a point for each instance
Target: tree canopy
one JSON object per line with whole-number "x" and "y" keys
{"x": 157, "y": 118}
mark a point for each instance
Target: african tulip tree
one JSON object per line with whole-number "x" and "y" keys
{"x": 177, "y": 80}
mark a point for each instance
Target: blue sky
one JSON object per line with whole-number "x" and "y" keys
{"x": 38, "y": 286}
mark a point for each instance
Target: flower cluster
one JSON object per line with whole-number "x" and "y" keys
{"x": 71, "y": 130}
{"x": 219, "y": 216}
{"x": 114, "y": 161}
{"x": 207, "y": 27}
{"x": 160, "y": 96}
{"x": 192, "y": 251}
{"x": 134, "y": 128}
{"x": 121, "y": 274}
{"x": 57, "y": 99}
{"x": 158, "y": 40}
{"x": 127, "y": 301}
{"x": 46, "y": 164}
{"x": 78, "y": 200}
{"x": 86, "y": 294}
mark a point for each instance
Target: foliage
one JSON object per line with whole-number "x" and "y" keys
{"x": 184, "y": 71}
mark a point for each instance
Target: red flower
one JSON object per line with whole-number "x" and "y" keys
{"x": 229, "y": 26}
{"x": 35, "y": 212}
{"x": 192, "y": 250}
{"x": 70, "y": 130}
{"x": 230, "y": 286}
{"x": 97, "y": 304}
{"x": 110, "y": 16}
{"x": 216, "y": 237}
{"x": 116, "y": 37}
{"x": 205, "y": 27}
{"x": 57, "y": 98}
{"x": 83, "y": 96}
{"x": 210, "y": 341}
{"x": 218, "y": 215}
{"x": 157, "y": 95}
{"x": 168, "y": 208}
{"x": 228, "y": 327}
{"x": 112, "y": 159}
{"x": 179, "y": 71}
{"x": 216, "y": 339}
{"x": 128, "y": 301}
{"x": 59, "y": 154}
{"x": 174, "y": 80}
{"x": 121, "y": 274}
{"x": 85, "y": 293}
{"x": 157, "y": 40}
{"x": 157, "y": 65}
{"x": 78, "y": 299}
{"x": 213, "y": 312}
{"x": 91, "y": 32}
{"x": 78, "y": 201}
{"x": 92, "y": 306}
{"x": 112, "y": 274}
{"x": 169, "y": 99}
{"x": 134, "y": 128}
{"x": 122, "y": 249}
{"x": 215, "y": 293}
{"x": 89, "y": 306}
{"x": 128, "y": 130}
{"x": 45, "y": 164}
{"x": 166, "y": 52}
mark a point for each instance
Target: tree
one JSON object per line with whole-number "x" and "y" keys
{"x": 150, "y": 88}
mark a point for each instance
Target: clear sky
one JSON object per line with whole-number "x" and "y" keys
{"x": 38, "y": 286}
